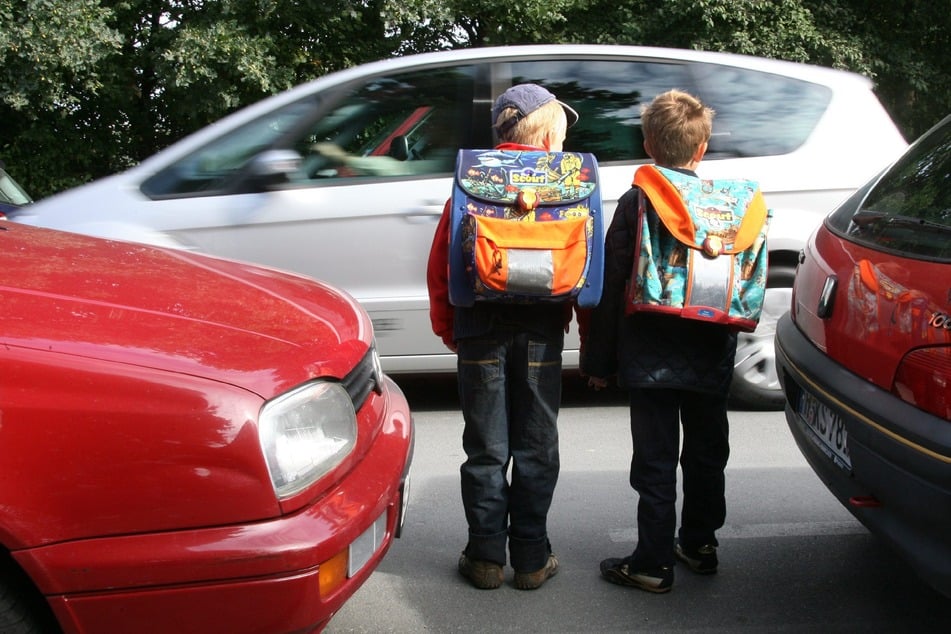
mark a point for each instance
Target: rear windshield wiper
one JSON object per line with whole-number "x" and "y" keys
{"x": 866, "y": 219}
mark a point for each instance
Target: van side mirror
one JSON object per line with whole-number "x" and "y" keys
{"x": 272, "y": 167}
{"x": 399, "y": 148}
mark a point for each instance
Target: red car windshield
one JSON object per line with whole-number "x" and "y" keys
{"x": 908, "y": 211}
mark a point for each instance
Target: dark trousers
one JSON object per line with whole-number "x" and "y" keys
{"x": 510, "y": 390}
{"x": 656, "y": 419}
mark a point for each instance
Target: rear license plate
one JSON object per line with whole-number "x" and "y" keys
{"x": 825, "y": 428}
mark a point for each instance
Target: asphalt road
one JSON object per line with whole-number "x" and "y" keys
{"x": 791, "y": 558}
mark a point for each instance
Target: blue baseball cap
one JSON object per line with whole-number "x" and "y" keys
{"x": 526, "y": 99}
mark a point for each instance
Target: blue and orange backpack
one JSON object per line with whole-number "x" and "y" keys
{"x": 526, "y": 226}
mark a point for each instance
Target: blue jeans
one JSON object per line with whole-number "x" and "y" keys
{"x": 656, "y": 419}
{"x": 510, "y": 390}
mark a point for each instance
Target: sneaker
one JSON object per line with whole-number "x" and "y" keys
{"x": 702, "y": 561}
{"x": 533, "y": 580}
{"x": 619, "y": 571}
{"x": 485, "y": 575}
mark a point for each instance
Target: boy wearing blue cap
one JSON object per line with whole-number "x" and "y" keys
{"x": 509, "y": 381}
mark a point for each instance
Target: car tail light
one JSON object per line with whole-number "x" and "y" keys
{"x": 924, "y": 380}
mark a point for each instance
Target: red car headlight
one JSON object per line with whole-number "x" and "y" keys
{"x": 305, "y": 433}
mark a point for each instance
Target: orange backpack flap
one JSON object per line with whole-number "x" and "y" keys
{"x": 672, "y": 211}
{"x": 667, "y": 202}
{"x": 512, "y": 257}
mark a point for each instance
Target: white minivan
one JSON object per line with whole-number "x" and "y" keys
{"x": 343, "y": 178}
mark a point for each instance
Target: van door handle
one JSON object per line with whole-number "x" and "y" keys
{"x": 428, "y": 212}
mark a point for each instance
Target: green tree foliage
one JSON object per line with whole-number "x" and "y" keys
{"x": 900, "y": 44}
{"x": 437, "y": 24}
{"x": 53, "y": 70}
{"x": 89, "y": 87}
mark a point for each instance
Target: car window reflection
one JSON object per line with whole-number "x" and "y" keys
{"x": 410, "y": 124}
{"x": 759, "y": 114}
{"x": 608, "y": 95}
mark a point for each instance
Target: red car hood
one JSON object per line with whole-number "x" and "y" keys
{"x": 174, "y": 311}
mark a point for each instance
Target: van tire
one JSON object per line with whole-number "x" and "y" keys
{"x": 755, "y": 380}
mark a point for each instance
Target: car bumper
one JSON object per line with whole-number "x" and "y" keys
{"x": 899, "y": 481}
{"x": 289, "y": 574}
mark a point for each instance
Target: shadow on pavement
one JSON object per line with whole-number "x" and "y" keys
{"x": 432, "y": 392}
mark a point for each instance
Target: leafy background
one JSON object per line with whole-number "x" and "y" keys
{"x": 90, "y": 87}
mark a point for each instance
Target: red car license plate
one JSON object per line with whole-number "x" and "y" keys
{"x": 826, "y": 429}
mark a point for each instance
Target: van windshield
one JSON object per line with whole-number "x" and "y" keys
{"x": 11, "y": 192}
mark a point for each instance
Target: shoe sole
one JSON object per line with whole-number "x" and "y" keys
{"x": 483, "y": 584}
{"x": 693, "y": 564}
{"x": 621, "y": 579}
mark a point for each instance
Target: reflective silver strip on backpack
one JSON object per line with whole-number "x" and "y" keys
{"x": 531, "y": 271}
{"x": 711, "y": 283}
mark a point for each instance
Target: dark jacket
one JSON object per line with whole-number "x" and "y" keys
{"x": 649, "y": 349}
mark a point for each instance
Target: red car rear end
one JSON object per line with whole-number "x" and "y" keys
{"x": 864, "y": 355}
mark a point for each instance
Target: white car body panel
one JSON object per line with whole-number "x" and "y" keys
{"x": 372, "y": 236}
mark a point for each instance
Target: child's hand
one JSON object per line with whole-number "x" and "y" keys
{"x": 597, "y": 382}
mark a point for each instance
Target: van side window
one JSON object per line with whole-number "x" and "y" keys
{"x": 400, "y": 125}
{"x": 758, "y": 114}
{"x": 212, "y": 169}
{"x": 608, "y": 95}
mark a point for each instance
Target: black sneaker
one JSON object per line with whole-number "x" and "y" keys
{"x": 533, "y": 580}
{"x": 485, "y": 575}
{"x": 619, "y": 571}
{"x": 702, "y": 561}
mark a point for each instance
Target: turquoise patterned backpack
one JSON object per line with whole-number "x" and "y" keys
{"x": 701, "y": 248}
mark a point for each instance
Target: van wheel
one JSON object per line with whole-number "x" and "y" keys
{"x": 755, "y": 380}
{"x": 23, "y": 610}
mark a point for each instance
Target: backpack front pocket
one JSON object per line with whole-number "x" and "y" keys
{"x": 531, "y": 258}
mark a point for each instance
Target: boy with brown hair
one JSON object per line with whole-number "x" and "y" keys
{"x": 509, "y": 380}
{"x": 677, "y": 372}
